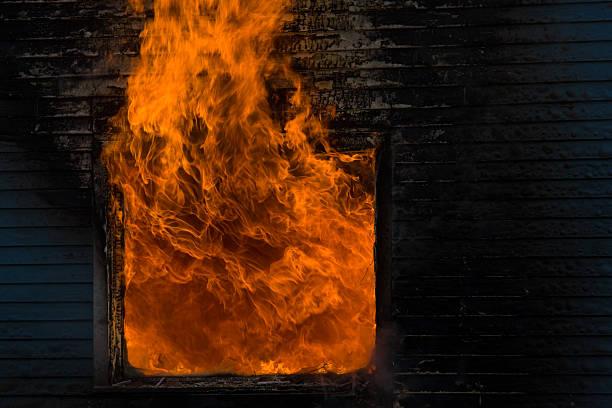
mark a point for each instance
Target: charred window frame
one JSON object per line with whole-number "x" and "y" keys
{"x": 111, "y": 368}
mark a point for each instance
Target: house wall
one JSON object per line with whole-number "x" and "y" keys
{"x": 500, "y": 118}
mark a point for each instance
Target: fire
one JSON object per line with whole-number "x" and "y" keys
{"x": 247, "y": 250}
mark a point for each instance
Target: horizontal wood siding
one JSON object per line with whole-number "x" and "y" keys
{"x": 500, "y": 118}
{"x": 46, "y": 248}
{"x": 502, "y": 183}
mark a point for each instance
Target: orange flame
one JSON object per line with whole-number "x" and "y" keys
{"x": 245, "y": 251}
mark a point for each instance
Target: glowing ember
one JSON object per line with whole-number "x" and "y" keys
{"x": 245, "y": 252}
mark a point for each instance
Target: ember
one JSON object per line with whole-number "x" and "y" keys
{"x": 245, "y": 250}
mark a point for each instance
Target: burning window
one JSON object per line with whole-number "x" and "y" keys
{"x": 248, "y": 244}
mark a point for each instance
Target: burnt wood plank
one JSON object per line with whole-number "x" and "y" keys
{"x": 45, "y": 348}
{"x": 27, "y": 143}
{"x": 45, "y": 386}
{"x": 89, "y": 21}
{"x": 493, "y": 36}
{"x": 585, "y": 384}
{"x": 458, "y": 304}
{"x": 478, "y": 399}
{"x": 34, "y": 161}
{"x": 53, "y": 90}
{"x": 50, "y": 310}
{"x": 403, "y": 77}
{"x": 68, "y": 46}
{"x": 330, "y": 55}
{"x": 51, "y": 217}
{"x": 77, "y": 329}
{"x": 398, "y": 16}
{"x": 65, "y": 273}
{"x": 365, "y": 34}
{"x": 453, "y": 56}
{"x": 460, "y": 4}
{"x": 385, "y": 118}
{"x": 48, "y": 368}
{"x": 46, "y": 255}
{"x": 63, "y": 71}
{"x": 532, "y": 401}
{"x": 560, "y": 130}
{"x": 63, "y": 78}
{"x": 502, "y": 190}
{"x": 460, "y": 95}
{"x": 47, "y": 27}
{"x": 565, "y": 265}
{"x": 504, "y": 152}
{"x": 511, "y": 170}
{"x": 44, "y": 180}
{"x": 520, "y": 248}
{"x": 538, "y": 209}
{"x": 44, "y": 125}
{"x": 38, "y": 236}
{"x": 47, "y": 292}
{"x": 505, "y": 325}
{"x": 566, "y": 365}
{"x": 505, "y": 287}
{"x": 40, "y": 200}
{"x": 494, "y": 345}
{"x": 477, "y": 228}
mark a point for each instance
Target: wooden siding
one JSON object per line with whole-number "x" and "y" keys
{"x": 500, "y": 114}
{"x": 502, "y": 179}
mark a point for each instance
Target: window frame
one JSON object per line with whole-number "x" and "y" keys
{"x": 111, "y": 370}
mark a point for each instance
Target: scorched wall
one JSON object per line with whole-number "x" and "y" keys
{"x": 500, "y": 117}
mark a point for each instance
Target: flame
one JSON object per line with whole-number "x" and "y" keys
{"x": 246, "y": 251}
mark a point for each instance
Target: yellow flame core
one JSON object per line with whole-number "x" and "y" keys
{"x": 245, "y": 252}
